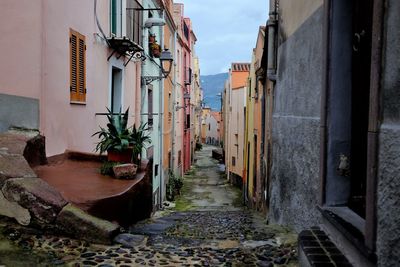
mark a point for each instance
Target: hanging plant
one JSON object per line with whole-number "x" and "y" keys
{"x": 155, "y": 50}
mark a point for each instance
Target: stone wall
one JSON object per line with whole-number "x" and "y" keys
{"x": 388, "y": 228}
{"x": 17, "y": 111}
{"x": 295, "y": 132}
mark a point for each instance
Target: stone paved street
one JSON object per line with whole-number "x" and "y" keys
{"x": 206, "y": 226}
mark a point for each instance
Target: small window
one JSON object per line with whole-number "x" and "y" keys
{"x": 77, "y": 47}
{"x": 179, "y": 157}
{"x": 187, "y": 121}
{"x": 116, "y": 17}
{"x": 233, "y": 161}
{"x": 209, "y": 126}
{"x": 256, "y": 91}
{"x": 134, "y": 19}
{"x": 150, "y": 105}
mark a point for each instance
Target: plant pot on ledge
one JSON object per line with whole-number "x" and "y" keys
{"x": 124, "y": 156}
{"x": 156, "y": 53}
{"x": 155, "y": 50}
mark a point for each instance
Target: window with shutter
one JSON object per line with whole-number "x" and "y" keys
{"x": 77, "y": 67}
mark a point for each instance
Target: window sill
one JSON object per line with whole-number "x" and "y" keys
{"x": 350, "y": 225}
{"x": 77, "y": 103}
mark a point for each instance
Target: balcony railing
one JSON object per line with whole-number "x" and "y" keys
{"x": 130, "y": 42}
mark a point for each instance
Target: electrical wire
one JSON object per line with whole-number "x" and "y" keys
{"x": 98, "y": 23}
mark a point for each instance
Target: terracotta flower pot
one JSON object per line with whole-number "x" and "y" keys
{"x": 156, "y": 53}
{"x": 120, "y": 156}
{"x": 152, "y": 39}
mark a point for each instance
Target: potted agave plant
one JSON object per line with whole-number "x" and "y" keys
{"x": 116, "y": 139}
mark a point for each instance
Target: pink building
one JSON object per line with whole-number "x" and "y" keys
{"x": 184, "y": 87}
{"x": 60, "y": 68}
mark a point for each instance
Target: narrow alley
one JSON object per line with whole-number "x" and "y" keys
{"x": 207, "y": 227}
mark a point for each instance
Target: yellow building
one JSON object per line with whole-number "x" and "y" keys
{"x": 254, "y": 183}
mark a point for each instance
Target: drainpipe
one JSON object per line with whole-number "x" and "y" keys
{"x": 272, "y": 32}
{"x": 160, "y": 119}
{"x": 173, "y": 109}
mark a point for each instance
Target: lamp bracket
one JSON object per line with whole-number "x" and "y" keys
{"x": 149, "y": 79}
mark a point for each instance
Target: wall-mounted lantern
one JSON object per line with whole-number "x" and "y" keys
{"x": 166, "y": 60}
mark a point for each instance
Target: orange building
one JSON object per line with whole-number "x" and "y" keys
{"x": 235, "y": 110}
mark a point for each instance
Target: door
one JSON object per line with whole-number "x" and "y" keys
{"x": 361, "y": 65}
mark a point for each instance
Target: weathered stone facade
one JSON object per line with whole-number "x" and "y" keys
{"x": 388, "y": 199}
{"x": 295, "y": 130}
{"x": 316, "y": 61}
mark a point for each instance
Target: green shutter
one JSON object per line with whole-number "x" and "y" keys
{"x": 114, "y": 16}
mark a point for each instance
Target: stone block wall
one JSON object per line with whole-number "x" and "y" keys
{"x": 17, "y": 111}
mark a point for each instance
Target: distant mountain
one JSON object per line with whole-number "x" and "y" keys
{"x": 212, "y": 85}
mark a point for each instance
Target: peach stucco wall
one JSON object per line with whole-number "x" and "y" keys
{"x": 239, "y": 79}
{"x": 168, "y": 99}
{"x": 39, "y": 66}
{"x": 236, "y": 129}
{"x": 21, "y": 45}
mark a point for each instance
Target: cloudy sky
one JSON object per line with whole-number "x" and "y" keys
{"x": 226, "y": 30}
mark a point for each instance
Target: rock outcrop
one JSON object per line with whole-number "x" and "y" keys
{"x": 13, "y": 210}
{"x": 15, "y": 166}
{"x": 31, "y": 201}
{"x": 35, "y": 195}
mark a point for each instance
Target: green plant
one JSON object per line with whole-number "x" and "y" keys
{"x": 107, "y": 167}
{"x": 139, "y": 138}
{"x": 199, "y": 146}
{"x": 174, "y": 186}
{"x": 117, "y": 136}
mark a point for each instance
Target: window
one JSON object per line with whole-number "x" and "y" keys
{"x": 134, "y": 20}
{"x": 116, "y": 17}
{"x": 233, "y": 161}
{"x": 186, "y": 30}
{"x": 179, "y": 157}
{"x": 256, "y": 89}
{"x": 116, "y": 90}
{"x": 77, "y": 45}
{"x": 209, "y": 126}
{"x": 150, "y": 105}
{"x": 187, "y": 121}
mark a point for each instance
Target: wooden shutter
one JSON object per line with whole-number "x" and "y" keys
{"x": 77, "y": 67}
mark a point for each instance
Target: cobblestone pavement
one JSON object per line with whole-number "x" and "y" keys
{"x": 206, "y": 227}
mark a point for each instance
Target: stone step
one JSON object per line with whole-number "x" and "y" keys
{"x": 317, "y": 250}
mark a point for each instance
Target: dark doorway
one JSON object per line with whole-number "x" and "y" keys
{"x": 116, "y": 90}
{"x": 361, "y": 69}
{"x": 248, "y": 171}
{"x": 255, "y": 169}
{"x": 348, "y": 104}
